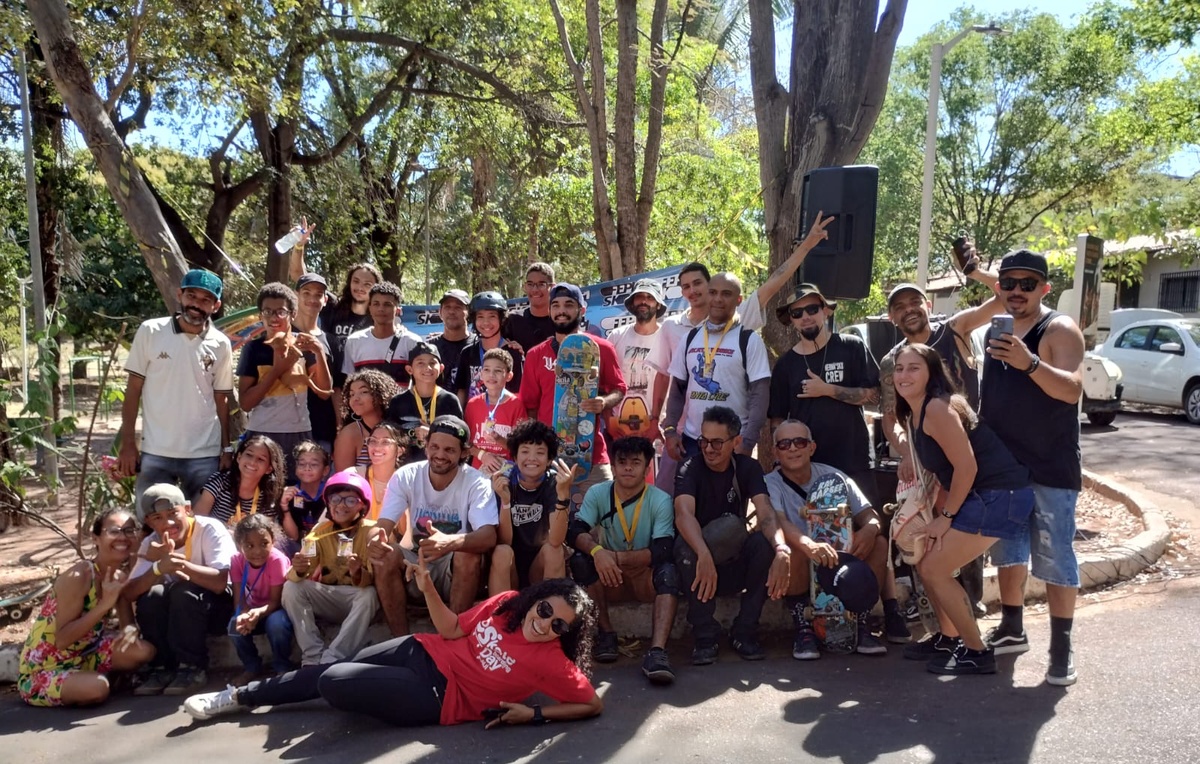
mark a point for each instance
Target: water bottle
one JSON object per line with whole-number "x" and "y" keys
{"x": 287, "y": 242}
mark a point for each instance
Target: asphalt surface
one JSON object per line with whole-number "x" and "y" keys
{"x": 1149, "y": 449}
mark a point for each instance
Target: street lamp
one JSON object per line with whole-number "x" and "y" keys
{"x": 931, "y": 122}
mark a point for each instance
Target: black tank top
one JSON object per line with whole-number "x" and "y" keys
{"x": 962, "y": 370}
{"x": 1040, "y": 431}
{"x": 997, "y": 470}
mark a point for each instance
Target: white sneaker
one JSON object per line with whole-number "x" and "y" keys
{"x": 206, "y": 705}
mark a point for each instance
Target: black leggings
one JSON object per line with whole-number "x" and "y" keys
{"x": 395, "y": 681}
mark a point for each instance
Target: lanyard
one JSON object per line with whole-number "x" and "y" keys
{"x": 187, "y": 540}
{"x": 247, "y": 586}
{"x": 491, "y": 417}
{"x": 421, "y": 405}
{"x": 237, "y": 517}
{"x": 626, "y": 528}
{"x": 320, "y": 491}
{"x": 710, "y": 354}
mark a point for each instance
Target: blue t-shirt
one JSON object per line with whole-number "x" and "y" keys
{"x": 826, "y": 488}
{"x": 656, "y": 520}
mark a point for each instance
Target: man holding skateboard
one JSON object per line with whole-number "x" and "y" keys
{"x": 567, "y": 308}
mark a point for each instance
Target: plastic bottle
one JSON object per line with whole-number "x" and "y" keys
{"x": 290, "y": 240}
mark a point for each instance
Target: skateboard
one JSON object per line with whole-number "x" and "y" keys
{"x": 830, "y": 522}
{"x": 631, "y": 417}
{"x": 924, "y": 607}
{"x": 576, "y": 379}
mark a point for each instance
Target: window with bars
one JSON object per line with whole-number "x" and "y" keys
{"x": 1180, "y": 291}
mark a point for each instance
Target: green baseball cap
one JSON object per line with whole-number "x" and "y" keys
{"x": 198, "y": 278}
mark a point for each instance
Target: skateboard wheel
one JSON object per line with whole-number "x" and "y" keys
{"x": 923, "y": 603}
{"x": 808, "y": 612}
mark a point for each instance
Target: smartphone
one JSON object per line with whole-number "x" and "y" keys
{"x": 1002, "y": 325}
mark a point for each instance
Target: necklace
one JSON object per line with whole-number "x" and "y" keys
{"x": 824, "y": 351}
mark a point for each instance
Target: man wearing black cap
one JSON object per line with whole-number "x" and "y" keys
{"x": 824, "y": 380}
{"x": 415, "y": 409}
{"x": 642, "y": 349}
{"x": 442, "y": 509}
{"x": 1032, "y": 381}
{"x": 450, "y": 343}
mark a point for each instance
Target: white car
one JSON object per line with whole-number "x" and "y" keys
{"x": 1160, "y": 359}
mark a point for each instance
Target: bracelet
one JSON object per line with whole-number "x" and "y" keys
{"x": 947, "y": 515}
{"x": 155, "y": 569}
{"x": 783, "y": 548}
{"x": 1032, "y": 367}
{"x": 668, "y": 430}
{"x": 970, "y": 267}
{"x": 595, "y": 549}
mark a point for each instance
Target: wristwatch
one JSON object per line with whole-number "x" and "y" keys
{"x": 537, "y": 715}
{"x": 227, "y": 450}
{"x": 948, "y": 515}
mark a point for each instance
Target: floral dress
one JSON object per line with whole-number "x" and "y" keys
{"x": 44, "y": 667}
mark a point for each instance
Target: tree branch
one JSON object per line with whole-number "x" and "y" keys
{"x": 131, "y": 44}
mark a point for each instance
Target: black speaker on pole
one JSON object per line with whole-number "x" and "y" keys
{"x": 841, "y": 265}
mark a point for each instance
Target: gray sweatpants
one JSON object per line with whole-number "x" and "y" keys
{"x": 352, "y": 606}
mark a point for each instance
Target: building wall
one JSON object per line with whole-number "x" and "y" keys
{"x": 1152, "y": 274}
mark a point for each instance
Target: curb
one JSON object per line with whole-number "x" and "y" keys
{"x": 1117, "y": 564}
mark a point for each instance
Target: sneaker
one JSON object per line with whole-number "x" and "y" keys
{"x": 895, "y": 628}
{"x": 605, "y": 649}
{"x": 1062, "y": 675}
{"x": 187, "y": 679}
{"x": 868, "y": 643}
{"x": 1004, "y": 642}
{"x": 206, "y": 705}
{"x": 154, "y": 682}
{"x": 656, "y": 667}
{"x": 747, "y": 648}
{"x": 805, "y": 646}
{"x": 964, "y": 660}
{"x": 935, "y": 644}
{"x": 705, "y": 653}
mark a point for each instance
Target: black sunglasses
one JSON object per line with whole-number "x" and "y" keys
{"x": 787, "y": 444}
{"x": 810, "y": 310}
{"x": 558, "y": 625}
{"x": 716, "y": 443}
{"x": 1027, "y": 284}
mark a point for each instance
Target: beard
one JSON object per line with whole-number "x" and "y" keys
{"x": 194, "y": 316}
{"x": 643, "y": 313}
{"x": 810, "y": 333}
{"x": 570, "y": 326}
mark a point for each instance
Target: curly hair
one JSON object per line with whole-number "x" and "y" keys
{"x": 388, "y": 289}
{"x": 577, "y": 642}
{"x": 252, "y": 524}
{"x": 383, "y": 388}
{"x": 533, "y": 431}
{"x": 271, "y": 485}
{"x": 278, "y": 291}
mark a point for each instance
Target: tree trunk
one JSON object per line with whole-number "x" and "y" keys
{"x": 483, "y": 182}
{"x": 624, "y": 151}
{"x": 140, "y": 210}
{"x": 636, "y": 260}
{"x": 47, "y": 140}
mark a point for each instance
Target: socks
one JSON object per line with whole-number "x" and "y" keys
{"x": 795, "y": 604}
{"x": 1011, "y": 619}
{"x": 1060, "y": 640}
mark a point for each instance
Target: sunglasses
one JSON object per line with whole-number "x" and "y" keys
{"x": 1027, "y": 284}
{"x": 558, "y": 625}
{"x": 807, "y": 310}
{"x": 714, "y": 443}
{"x": 787, "y": 444}
{"x": 344, "y": 501}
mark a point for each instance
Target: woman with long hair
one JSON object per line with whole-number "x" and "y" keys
{"x": 983, "y": 494}
{"x": 348, "y": 314}
{"x": 482, "y": 664}
{"x": 253, "y": 483}
{"x": 365, "y": 399}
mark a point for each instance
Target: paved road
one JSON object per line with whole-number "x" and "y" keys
{"x": 1131, "y": 705}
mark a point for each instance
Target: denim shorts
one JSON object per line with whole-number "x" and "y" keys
{"x": 1049, "y": 540}
{"x": 997, "y": 514}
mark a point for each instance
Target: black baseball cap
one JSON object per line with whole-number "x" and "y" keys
{"x": 455, "y": 294}
{"x": 1025, "y": 260}
{"x": 563, "y": 289}
{"x": 311, "y": 278}
{"x": 424, "y": 348}
{"x": 451, "y": 425}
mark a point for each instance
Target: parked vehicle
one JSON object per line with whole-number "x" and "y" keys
{"x": 1160, "y": 361}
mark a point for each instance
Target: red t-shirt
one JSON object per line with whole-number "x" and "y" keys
{"x": 490, "y": 665}
{"x": 510, "y": 411}
{"x": 537, "y": 384}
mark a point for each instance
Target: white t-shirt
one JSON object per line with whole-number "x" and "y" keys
{"x": 676, "y": 327}
{"x": 723, "y": 383}
{"x": 180, "y": 373}
{"x": 466, "y": 505}
{"x": 642, "y": 357}
{"x": 212, "y": 546}
{"x": 366, "y": 351}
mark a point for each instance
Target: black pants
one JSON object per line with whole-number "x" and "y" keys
{"x": 395, "y": 681}
{"x": 748, "y": 571}
{"x": 177, "y": 616}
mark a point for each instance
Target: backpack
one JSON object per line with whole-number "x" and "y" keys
{"x": 743, "y": 342}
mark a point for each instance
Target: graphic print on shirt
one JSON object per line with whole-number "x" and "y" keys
{"x": 490, "y": 655}
{"x": 703, "y": 375}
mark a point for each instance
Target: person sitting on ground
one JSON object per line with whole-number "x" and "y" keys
{"x": 624, "y": 535}
{"x": 387, "y": 447}
{"x": 331, "y": 577}
{"x": 715, "y": 552}
{"x": 257, "y": 573}
{"x": 414, "y": 408}
{"x": 505, "y": 648}
{"x": 180, "y": 586}
{"x": 444, "y": 508}
{"x": 798, "y": 484}
{"x": 364, "y": 401}
{"x": 492, "y": 414}
{"x": 302, "y": 505}
{"x": 984, "y": 494}
{"x": 253, "y": 484}
{"x": 534, "y": 499}
{"x": 68, "y": 654}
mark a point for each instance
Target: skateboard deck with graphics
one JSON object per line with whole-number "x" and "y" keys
{"x": 576, "y": 379}
{"x": 631, "y": 417}
{"x": 830, "y": 522}
{"x": 924, "y": 607}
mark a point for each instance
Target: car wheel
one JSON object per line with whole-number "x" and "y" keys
{"x": 1191, "y": 403}
{"x": 1102, "y": 418}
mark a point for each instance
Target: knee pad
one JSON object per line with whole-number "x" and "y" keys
{"x": 583, "y": 569}
{"x": 666, "y": 579}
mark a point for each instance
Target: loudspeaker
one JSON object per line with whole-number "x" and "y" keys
{"x": 882, "y": 336}
{"x": 841, "y": 265}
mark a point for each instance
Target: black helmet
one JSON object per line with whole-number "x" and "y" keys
{"x": 486, "y": 301}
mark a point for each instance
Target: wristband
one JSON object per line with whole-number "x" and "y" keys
{"x": 970, "y": 267}
{"x": 595, "y": 549}
{"x": 783, "y": 548}
{"x": 1032, "y": 367}
{"x": 948, "y": 515}
{"x": 537, "y": 716}
{"x": 155, "y": 569}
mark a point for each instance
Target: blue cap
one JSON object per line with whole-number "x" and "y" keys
{"x": 562, "y": 289}
{"x": 198, "y": 278}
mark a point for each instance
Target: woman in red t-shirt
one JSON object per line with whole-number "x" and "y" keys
{"x": 481, "y": 664}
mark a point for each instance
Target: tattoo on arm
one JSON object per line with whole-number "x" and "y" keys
{"x": 856, "y": 396}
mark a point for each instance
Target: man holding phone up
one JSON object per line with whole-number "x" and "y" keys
{"x": 1032, "y": 382}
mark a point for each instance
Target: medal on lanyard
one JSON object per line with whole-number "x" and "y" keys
{"x": 710, "y": 355}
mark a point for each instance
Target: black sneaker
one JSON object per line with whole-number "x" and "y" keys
{"x": 935, "y": 644}
{"x": 656, "y": 667}
{"x": 1061, "y": 675}
{"x": 805, "y": 646}
{"x": 964, "y": 660}
{"x": 895, "y": 628}
{"x": 705, "y": 653}
{"x": 154, "y": 682}
{"x": 747, "y": 648}
{"x": 605, "y": 648}
{"x": 1004, "y": 642}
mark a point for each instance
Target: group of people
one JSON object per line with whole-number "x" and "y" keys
{"x": 380, "y": 470}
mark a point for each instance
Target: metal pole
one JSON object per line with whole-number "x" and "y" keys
{"x": 35, "y": 257}
{"x": 428, "y": 285}
{"x": 24, "y": 342}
